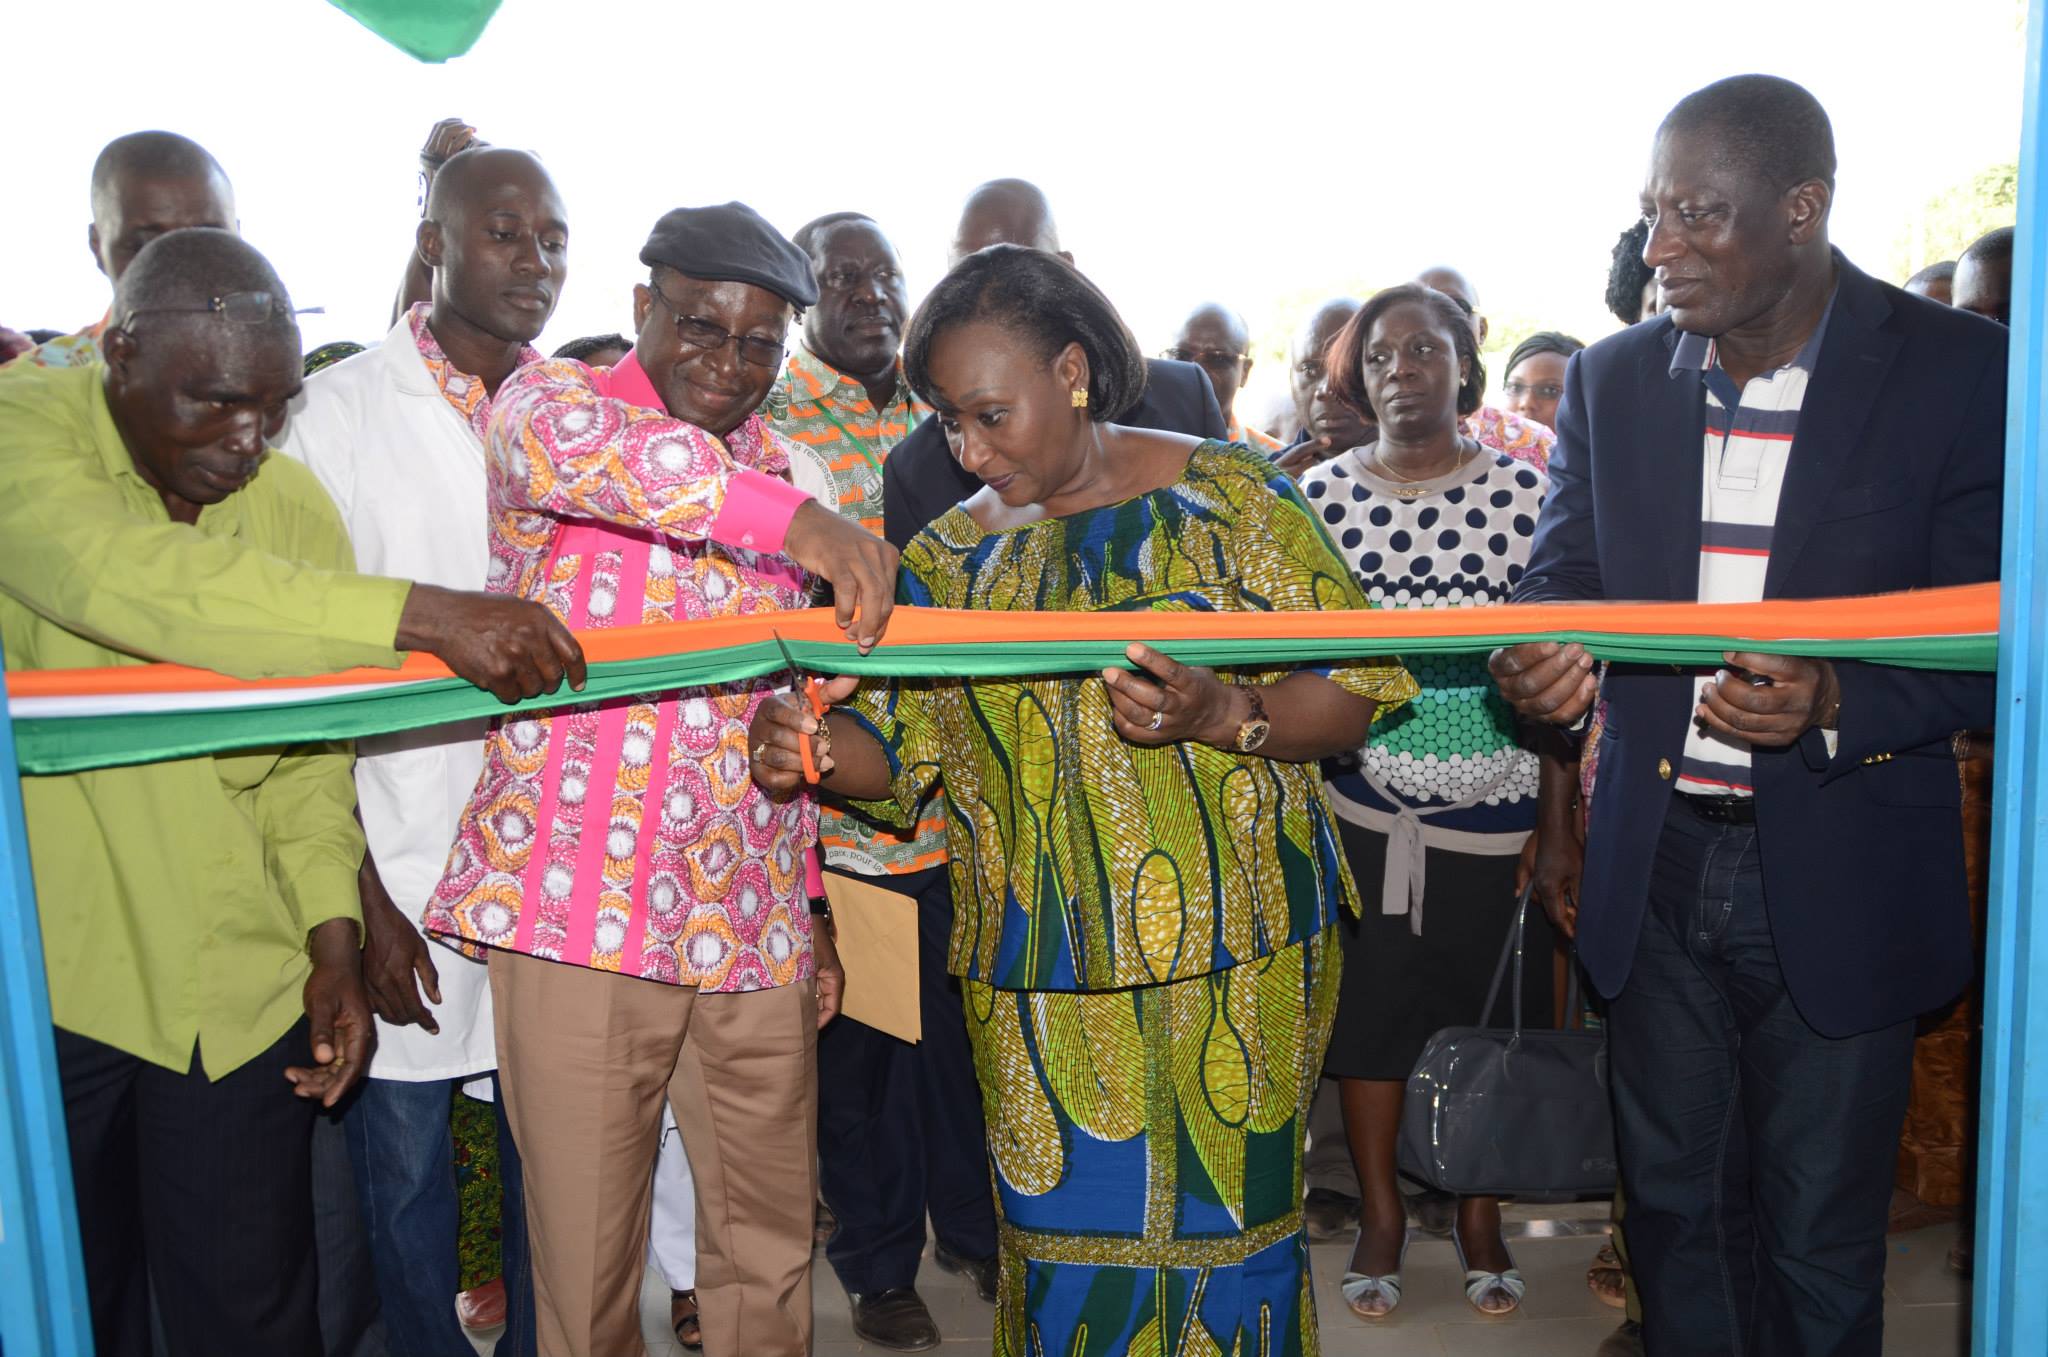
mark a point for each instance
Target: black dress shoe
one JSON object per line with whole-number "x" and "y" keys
{"x": 1626, "y": 1341}
{"x": 981, "y": 1272}
{"x": 1328, "y": 1214}
{"x": 895, "y": 1319}
{"x": 1433, "y": 1212}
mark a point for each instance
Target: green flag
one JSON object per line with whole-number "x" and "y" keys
{"x": 432, "y": 30}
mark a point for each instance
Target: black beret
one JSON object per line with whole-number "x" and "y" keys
{"x": 731, "y": 243}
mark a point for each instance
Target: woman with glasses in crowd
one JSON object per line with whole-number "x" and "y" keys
{"x": 1535, "y": 369}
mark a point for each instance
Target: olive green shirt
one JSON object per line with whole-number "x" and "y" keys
{"x": 175, "y": 897}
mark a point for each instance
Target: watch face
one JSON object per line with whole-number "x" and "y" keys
{"x": 1252, "y": 734}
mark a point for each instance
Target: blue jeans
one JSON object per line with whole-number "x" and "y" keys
{"x": 1757, "y": 1154}
{"x": 403, "y": 1155}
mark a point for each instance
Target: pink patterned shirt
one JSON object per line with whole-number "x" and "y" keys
{"x": 1522, "y": 439}
{"x": 467, "y": 395}
{"x": 628, "y": 835}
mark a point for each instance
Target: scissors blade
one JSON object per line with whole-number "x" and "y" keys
{"x": 787, "y": 658}
{"x": 809, "y": 688}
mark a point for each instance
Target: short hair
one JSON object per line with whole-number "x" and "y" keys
{"x": 452, "y": 179}
{"x": 1346, "y": 356}
{"x": 1628, "y": 275}
{"x": 582, "y": 349}
{"x": 1771, "y": 128}
{"x": 806, "y": 237}
{"x": 187, "y": 269}
{"x": 152, "y": 153}
{"x": 1942, "y": 271}
{"x": 1464, "y": 294}
{"x": 1039, "y": 297}
{"x": 1993, "y": 247}
{"x": 1543, "y": 341}
{"x": 1023, "y": 214}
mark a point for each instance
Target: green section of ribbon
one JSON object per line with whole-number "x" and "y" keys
{"x": 431, "y": 30}
{"x": 52, "y": 744}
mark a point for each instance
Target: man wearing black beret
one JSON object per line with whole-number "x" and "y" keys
{"x": 644, "y": 903}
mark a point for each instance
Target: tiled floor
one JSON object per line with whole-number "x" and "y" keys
{"x": 1926, "y": 1311}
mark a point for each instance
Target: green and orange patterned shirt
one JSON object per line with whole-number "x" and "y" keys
{"x": 833, "y": 426}
{"x": 829, "y": 415}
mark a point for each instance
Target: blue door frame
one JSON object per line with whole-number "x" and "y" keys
{"x": 42, "y": 1282}
{"x": 42, "y": 1285}
{"x": 2011, "y": 1318}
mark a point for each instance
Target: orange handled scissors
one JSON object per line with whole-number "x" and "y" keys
{"x": 810, "y": 688}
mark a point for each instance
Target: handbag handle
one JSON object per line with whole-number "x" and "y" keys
{"x": 1511, "y": 950}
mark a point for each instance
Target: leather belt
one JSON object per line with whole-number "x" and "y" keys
{"x": 1722, "y": 810}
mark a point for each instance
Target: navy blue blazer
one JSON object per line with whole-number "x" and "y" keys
{"x": 1893, "y": 483}
{"x": 920, "y": 479}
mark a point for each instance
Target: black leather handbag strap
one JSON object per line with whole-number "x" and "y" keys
{"x": 1511, "y": 950}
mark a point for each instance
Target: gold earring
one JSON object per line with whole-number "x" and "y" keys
{"x": 1080, "y": 399}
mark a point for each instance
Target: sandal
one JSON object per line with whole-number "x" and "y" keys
{"x": 1492, "y": 1294}
{"x": 1607, "y": 1278}
{"x": 682, "y": 1317}
{"x": 1375, "y": 1297}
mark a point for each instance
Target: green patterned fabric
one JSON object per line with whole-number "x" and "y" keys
{"x": 479, "y": 1193}
{"x": 1458, "y": 711}
{"x": 1082, "y": 861}
{"x": 1144, "y": 932}
{"x": 1147, "y": 1146}
{"x": 1455, "y": 743}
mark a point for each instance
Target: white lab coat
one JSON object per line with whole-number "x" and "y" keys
{"x": 407, "y": 474}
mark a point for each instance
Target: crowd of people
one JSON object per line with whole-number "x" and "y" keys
{"x": 1181, "y": 933}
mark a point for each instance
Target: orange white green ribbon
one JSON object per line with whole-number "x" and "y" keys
{"x": 67, "y": 720}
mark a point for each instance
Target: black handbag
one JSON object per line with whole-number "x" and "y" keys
{"x": 1497, "y": 1112}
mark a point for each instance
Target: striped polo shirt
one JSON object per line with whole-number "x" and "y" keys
{"x": 1749, "y": 434}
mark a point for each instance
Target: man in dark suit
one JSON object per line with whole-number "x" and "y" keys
{"x": 920, "y": 479}
{"x": 1773, "y": 882}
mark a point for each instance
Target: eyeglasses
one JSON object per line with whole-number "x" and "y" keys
{"x": 1548, "y": 391}
{"x": 695, "y": 332}
{"x": 846, "y": 277}
{"x": 1208, "y": 358}
{"x": 239, "y": 308}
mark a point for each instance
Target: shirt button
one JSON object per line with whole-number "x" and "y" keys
{"x": 747, "y": 539}
{"x": 1664, "y": 769}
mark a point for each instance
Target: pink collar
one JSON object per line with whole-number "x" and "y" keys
{"x": 629, "y": 382}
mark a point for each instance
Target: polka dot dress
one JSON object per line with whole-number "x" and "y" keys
{"x": 1463, "y": 543}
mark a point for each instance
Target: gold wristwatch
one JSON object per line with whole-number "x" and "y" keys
{"x": 1256, "y": 727}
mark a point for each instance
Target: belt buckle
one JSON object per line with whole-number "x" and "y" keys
{"x": 1724, "y": 810}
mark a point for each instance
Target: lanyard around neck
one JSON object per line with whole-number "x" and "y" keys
{"x": 861, "y": 444}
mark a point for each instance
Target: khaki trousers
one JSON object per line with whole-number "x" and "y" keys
{"x": 584, "y": 1060}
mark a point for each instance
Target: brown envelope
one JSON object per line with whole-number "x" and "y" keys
{"x": 876, "y": 931}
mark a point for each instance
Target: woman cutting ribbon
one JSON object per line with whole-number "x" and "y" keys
{"x": 1145, "y": 868}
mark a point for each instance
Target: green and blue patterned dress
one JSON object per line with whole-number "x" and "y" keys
{"x": 1141, "y": 932}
